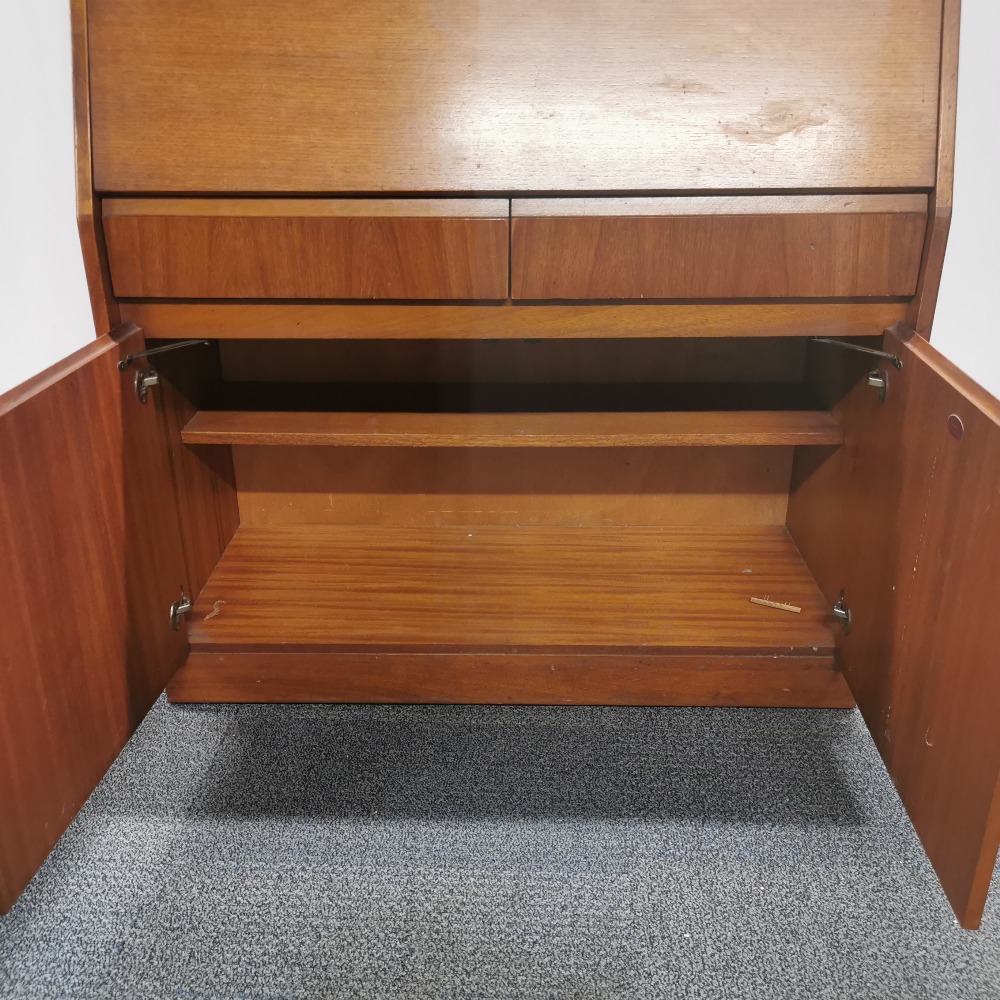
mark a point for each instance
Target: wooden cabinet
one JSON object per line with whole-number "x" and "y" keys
{"x": 511, "y": 479}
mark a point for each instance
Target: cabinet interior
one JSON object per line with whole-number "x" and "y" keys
{"x": 506, "y": 499}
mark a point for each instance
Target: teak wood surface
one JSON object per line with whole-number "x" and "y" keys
{"x": 565, "y": 487}
{"x": 314, "y": 321}
{"x": 920, "y": 314}
{"x": 103, "y": 304}
{"x": 709, "y": 248}
{"x": 92, "y": 562}
{"x": 505, "y": 589}
{"x": 204, "y": 481}
{"x": 524, "y": 95}
{"x": 511, "y": 679}
{"x": 308, "y": 249}
{"x": 505, "y": 430}
{"x": 906, "y": 516}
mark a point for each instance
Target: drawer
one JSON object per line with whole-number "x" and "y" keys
{"x": 745, "y": 247}
{"x": 259, "y": 248}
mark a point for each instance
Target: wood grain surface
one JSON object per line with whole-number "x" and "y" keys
{"x": 498, "y": 589}
{"x": 518, "y": 430}
{"x": 305, "y": 249}
{"x": 906, "y": 516}
{"x": 92, "y": 561}
{"x": 718, "y": 205}
{"x": 203, "y": 478}
{"x": 525, "y": 95}
{"x": 286, "y": 321}
{"x": 709, "y": 248}
{"x": 566, "y": 487}
{"x": 920, "y": 315}
{"x": 512, "y": 679}
{"x": 103, "y": 304}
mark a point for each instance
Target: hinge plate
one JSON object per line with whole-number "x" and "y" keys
{"x": 145, "y": 379}
{"x": 879, "y": 380}
{"x": 181, "y": 607}
{"x": 843, "y": 613}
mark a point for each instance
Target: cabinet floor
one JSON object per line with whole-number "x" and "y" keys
{"x": 499, "y": 589}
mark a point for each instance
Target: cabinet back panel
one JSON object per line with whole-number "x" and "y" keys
{"x": 777, "y": 359}
{"x": 524, "y": 95}
{"x": 581, "y": 487}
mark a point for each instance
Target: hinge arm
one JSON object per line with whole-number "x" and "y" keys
{"x": 897, "y": 362}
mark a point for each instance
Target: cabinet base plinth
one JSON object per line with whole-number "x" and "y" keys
{"x": 511, "y": 679}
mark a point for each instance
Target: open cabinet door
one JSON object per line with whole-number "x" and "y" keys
{"x": 906, "y": 518}
{"x": 91, "y": 562}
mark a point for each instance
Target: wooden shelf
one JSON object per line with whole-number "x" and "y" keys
{"x": 519, "y": 615}
{"x": 521, "y": 430}
{"x": 536, "y": 589}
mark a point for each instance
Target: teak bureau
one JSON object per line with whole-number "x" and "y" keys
{"x": 530, "y": 341}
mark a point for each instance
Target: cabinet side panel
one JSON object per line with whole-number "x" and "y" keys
{"x": 88, "y": 542}
{"x": 906, "y": 517}
{"x": 102, "y": 300}
{"x": 923, "y": 305}
{"x": 204, "y": 483}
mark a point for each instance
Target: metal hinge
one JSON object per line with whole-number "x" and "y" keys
{"x": 842, "y": 612}
{"x": 145, "y": 379}
{"x": 129, "y": 358}
{"x": 181, "y": 607}
{"x": 847, "y": 346}
{"x": 879, "y": 380}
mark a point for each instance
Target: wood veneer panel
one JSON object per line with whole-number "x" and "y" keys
{"x": 820, "y": 246}
{"x": 92, "y": 561}
{"x": 511, "y": 679}
{"x": 920, "y": 315}
{"x": 204, "y": 481}
{"x": 568, "y": 487}
{"x": 498, "y": 589}
{"x": 199, "y": 248}
{"x": 505, "y": 430}
{"x": 528, "y": 95}
{"x": 907, "y": 517}
{"x": 267, "y": 321}
{"x": 95, "y": 262}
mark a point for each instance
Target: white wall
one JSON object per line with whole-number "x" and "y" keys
{"x": 45, "y": 311}
{"x": 44, "y": 305}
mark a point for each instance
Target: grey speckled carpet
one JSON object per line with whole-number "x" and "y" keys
{"x": 425, "y": 852}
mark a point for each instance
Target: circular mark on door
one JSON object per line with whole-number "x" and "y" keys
{"x": 955, "y": 427}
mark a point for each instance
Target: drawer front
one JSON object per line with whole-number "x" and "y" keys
{"x": 747, "y": 247}
{"x": 383, "y": 249}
